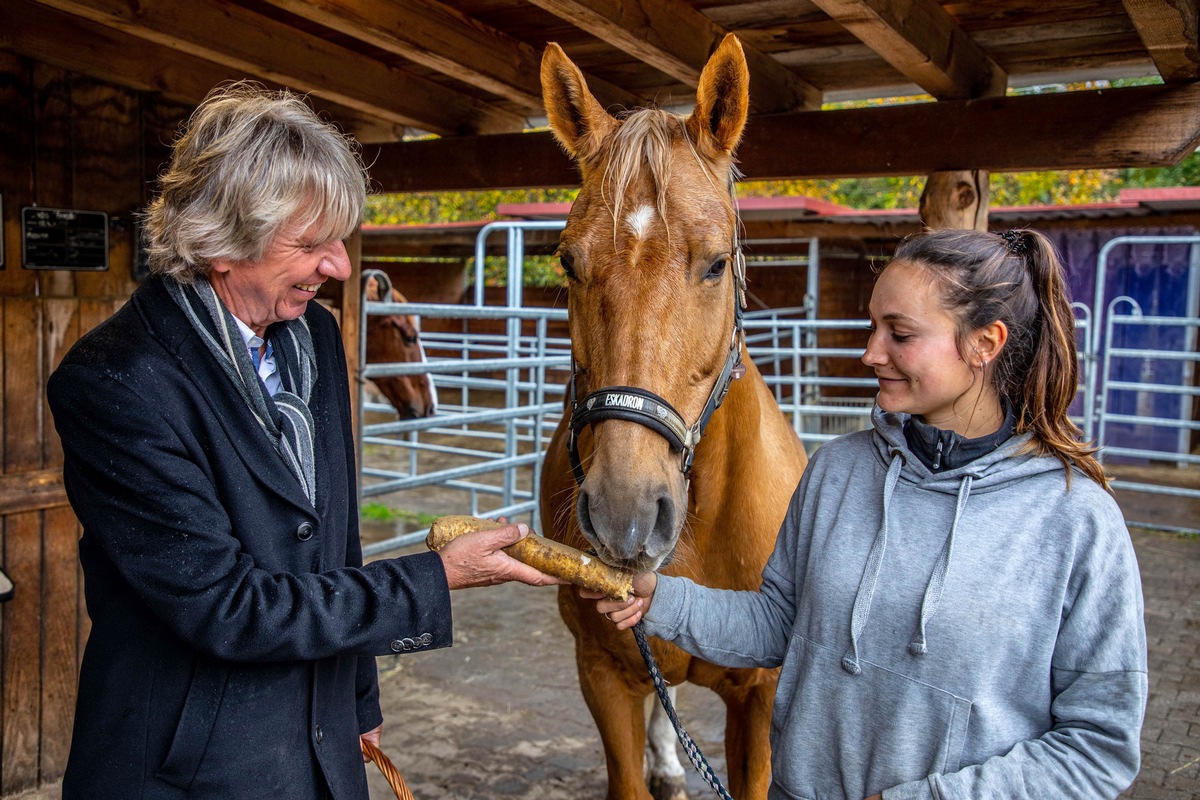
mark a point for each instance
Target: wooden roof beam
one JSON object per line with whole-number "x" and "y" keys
{"x": 1145, "y": 126}
{"x": 676, "y": 39}
{"x": 250, "y": 43}
{"x": 1169, "y": 30}
{"x": 109, "y": 55}
{"x": 444, "y": 39}
{"x": 922, "y": 42}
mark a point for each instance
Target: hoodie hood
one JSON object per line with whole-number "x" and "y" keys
{"x": 1008, "y": 462}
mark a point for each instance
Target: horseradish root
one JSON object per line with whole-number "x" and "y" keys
{"x": 545, "y": 555}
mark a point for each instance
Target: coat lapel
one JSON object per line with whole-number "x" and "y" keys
{"x": 167, "y": 323}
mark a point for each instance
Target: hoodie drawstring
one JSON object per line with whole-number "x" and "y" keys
{"x": 937, "y": 581}
{"x": 866, "y": 586}
{"x": 870, "y": 577}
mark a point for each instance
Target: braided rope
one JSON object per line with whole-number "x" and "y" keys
{"x": 390, "y": 773}
{"x": 689, "y": 747}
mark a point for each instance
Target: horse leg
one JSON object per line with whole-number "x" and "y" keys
{"x": 664, "y": 773}
{"x": 617, "y": 710}
{"x": 747, "y": 738}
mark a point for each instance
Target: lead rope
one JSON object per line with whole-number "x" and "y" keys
{"x": 689, "y": 747}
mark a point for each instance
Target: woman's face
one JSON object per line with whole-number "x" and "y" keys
{"x": 914, "y": 351}
{"x": 279, "y": 286}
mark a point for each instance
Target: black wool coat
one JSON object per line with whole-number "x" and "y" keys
{"x": 234, "y": 627}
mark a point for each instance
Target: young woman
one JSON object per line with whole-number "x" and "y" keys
{"x": 953, "y": 596}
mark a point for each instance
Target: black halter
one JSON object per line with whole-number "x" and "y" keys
{"x": 634, "y": 404}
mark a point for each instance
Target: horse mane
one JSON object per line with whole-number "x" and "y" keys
{"x": 643, "y": 143}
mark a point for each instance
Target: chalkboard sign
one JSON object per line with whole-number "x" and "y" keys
{"x": 61, "y": 238}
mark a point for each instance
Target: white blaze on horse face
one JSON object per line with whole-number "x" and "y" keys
{"x": 640, "y": 220}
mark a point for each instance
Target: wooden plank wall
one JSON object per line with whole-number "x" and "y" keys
{"x": 65, "y": 141}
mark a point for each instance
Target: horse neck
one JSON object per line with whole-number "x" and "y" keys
{"x": 742, "y": 475}
{"x": 732, "y": 434}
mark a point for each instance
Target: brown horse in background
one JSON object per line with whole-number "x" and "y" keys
{"x": 650, "y": 251}
{"x": 395, "y": 338}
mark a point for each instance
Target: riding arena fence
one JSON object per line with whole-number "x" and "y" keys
{"x": 500, "y": 373}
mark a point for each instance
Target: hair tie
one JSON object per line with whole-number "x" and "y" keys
{"x": 1016, "y": 242}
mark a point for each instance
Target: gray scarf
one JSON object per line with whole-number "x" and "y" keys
{"x": 284, "y": 417}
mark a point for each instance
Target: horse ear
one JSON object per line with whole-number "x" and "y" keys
{"x": 723, "y": 97}
{"x": 578, "y": 120}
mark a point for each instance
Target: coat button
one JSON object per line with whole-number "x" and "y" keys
{"x": 318, "y": 734}
{"x": 397, "y": 646}
{"x": 304, "y": 532}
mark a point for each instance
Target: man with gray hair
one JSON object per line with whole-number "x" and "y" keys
{"x": 209, "y": 456}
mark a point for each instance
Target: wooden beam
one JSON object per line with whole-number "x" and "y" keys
{"x": 1169, "y": 30}
{"x": 444, "y": 39}
{"x": 259, "y": 47}
{"x": 1145, "y": 126}
{"x": 924, "y": 43}
{"x": 34, "y": 491}
{"x": 73, "y": 43}
{"x": 675, "y": 38}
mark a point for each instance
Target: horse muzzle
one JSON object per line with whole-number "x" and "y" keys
{"x": 632, "y": 517}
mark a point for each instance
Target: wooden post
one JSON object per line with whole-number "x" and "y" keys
{"x": 956, "y": 200}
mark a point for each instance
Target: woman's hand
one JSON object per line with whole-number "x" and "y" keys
{"x": 626, "y": 613}
{"x": 478, "y": 559}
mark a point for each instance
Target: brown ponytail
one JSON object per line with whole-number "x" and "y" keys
{"x": 1016, "y": 278}
{"x": 1052, "y": 379}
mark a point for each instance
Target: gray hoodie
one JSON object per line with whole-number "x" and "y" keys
{"x": 975, "y": 633}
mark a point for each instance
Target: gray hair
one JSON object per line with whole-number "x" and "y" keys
{"x": 249, "y": 162}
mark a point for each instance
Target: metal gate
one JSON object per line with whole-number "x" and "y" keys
{"x": 1144, "y": 413}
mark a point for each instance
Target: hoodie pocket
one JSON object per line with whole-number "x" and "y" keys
{"x": 195, "y": 727}
{"x": 838, "y": 735}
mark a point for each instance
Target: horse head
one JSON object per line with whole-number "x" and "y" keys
{"x": 395, "y": 338}
{"x": 650, "y": 253}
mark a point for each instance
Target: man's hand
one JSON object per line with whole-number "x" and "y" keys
{"x": 478, "y": 559}
{"x": 373, "y": 738}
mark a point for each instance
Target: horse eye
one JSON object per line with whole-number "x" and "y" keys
{"x": 568, "y": 265}
{"x": 409, "y": 339}
{"x": 717, "y": 268}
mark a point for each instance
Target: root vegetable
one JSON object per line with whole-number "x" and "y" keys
{"x": 546, "y": 555}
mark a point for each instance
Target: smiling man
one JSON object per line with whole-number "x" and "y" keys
{"x": 209, "y": 456}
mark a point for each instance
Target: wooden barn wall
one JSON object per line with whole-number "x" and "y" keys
{"x": 66, "y": 141}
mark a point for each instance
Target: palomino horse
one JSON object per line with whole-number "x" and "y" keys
{"x": 395, "y": 338}
{"x": 655, "y": 284}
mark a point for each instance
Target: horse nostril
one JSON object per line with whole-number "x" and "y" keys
{"x": 664, "y": 525}
{"x": 630, "y": 526}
